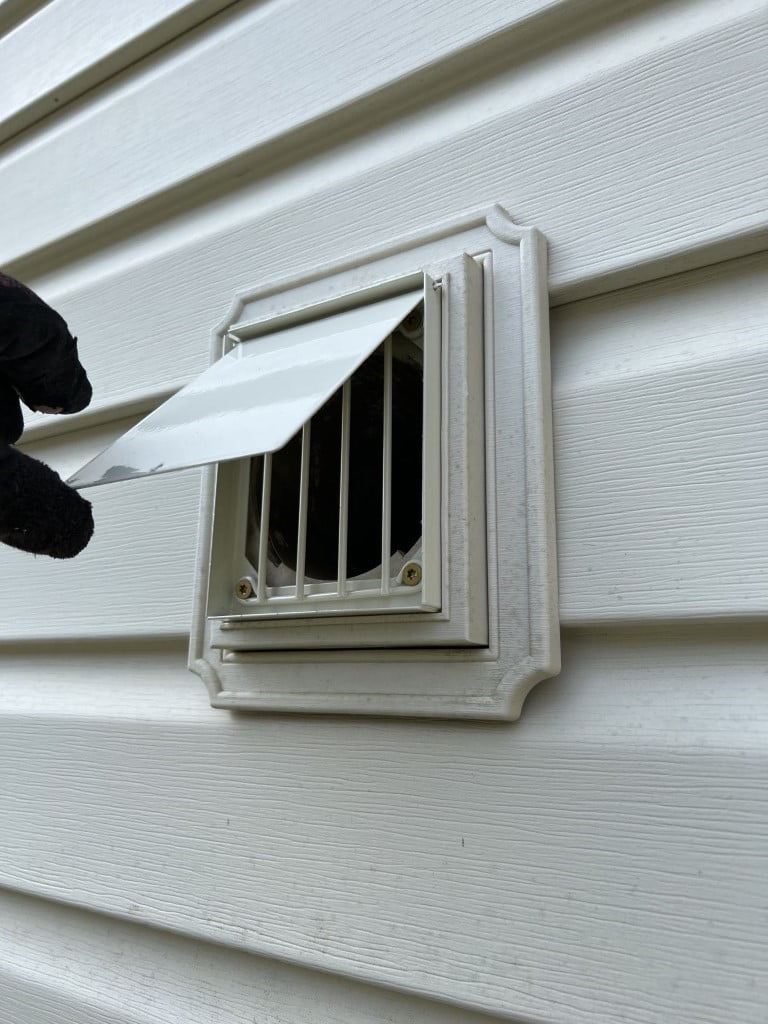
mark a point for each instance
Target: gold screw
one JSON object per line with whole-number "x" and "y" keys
{"x": 244, "y": 589}
{"x": 412, "y": 574}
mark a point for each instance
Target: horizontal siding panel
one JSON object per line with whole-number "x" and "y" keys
{"x": 13, "y": 12}
{"x": 661, "y": 434}
{"x": 57, "y": 55}
{"x": 62, "y": 966}
{"x": 135, "y": 577}
{"x": 25, "y": 1000}
{"x": 578, "y": 866}
{"x": 600, "y": 860}
{"x": 568, "y": 162}
{"x": 261, "y": 74}
{"x": 148, "y": 681}
{"x": 144, "y": 307}
{"x": 661, "y": 466}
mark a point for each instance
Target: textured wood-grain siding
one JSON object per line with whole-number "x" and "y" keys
{"x": 569, "y": 160}
{"x": 661, "y": 428}
{"x": 76, "y": 44}
{"x": 661, "y": 434}
{"x": 261, "y": 73}
{"x": 63, "y": 966}
{"x": 134, "y": 579}
{"x": 601, "y": 860}
{"x": 13, "y": 12}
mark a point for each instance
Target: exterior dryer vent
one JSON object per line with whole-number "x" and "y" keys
{"x": 377, "y": 531}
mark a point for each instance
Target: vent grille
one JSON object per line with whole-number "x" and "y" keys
{"x": 336, "y": 518}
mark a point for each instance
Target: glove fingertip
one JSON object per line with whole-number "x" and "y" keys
{"x": 81, "y": 398}
{"x": 41, "y": 514}
{"x": 74, "y": 532}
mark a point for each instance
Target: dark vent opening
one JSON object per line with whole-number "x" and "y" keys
{"x": 366, "y": 472}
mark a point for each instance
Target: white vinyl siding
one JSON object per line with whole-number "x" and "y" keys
{"x": 602, "y": 859}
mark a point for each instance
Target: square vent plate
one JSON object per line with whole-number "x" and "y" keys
{"x": 377, "y": 524}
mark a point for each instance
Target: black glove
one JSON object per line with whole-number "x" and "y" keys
{"x": 39, "y": 365}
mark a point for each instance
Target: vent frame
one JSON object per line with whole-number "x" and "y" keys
{"x": 459, "y": 617}
{"x": 304, "y": 598}
{"x": 379, "y": 670}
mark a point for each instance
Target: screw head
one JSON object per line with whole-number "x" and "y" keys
{"x": 244, "y": 588}
{"x": 411, "y": 575}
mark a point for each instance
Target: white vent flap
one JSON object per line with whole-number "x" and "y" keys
{"x": 254, "y": 399}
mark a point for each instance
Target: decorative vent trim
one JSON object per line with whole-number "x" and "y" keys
{"x": 496, "y": 632}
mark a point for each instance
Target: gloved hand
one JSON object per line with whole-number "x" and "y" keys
{"x": 39, "y": 365}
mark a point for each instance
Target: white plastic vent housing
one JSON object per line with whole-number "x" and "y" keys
{"x": 479, "y": 628}
{"x": 377, "y": 521}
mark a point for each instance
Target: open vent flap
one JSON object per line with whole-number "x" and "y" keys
{"x": 254, "y": 399}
